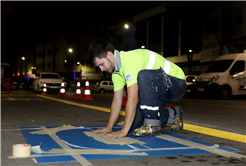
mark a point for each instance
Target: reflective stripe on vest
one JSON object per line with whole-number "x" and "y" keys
{"x": 149, "y": 108}
{"x": 167, "y": 66}
{"x": 152, "y": 62}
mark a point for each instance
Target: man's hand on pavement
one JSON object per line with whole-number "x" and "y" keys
{"x": 117, "y": 134}
{"x": 103, "y": 130}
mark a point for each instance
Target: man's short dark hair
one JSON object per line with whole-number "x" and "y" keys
{"x": 99, "y": 49}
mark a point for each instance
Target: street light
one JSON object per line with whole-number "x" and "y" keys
{"x": 70, "y": 50}
{"x": 23, "y": 72}
{"x": 74, "y": 75}
{"x": 126, "y": 26}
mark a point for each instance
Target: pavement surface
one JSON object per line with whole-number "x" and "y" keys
{"x": 22, "y": 108}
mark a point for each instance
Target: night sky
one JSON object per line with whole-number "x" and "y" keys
{"x": 21, "y": 20}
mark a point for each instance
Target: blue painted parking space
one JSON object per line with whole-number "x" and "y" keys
{"x": 60, "y": 143}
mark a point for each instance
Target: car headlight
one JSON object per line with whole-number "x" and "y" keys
{"x": 214, "y": 79}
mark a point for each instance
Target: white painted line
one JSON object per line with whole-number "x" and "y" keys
{"x": 215, "y": 150}
{"x": 69, "y": 150}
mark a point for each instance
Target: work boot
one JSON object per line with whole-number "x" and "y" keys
{"x": 147, "y": 131}
{"x": 178, "y": 121}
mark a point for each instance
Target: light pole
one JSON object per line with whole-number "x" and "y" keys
{"x": 127, "y": 27}
{"x": 190, "y": 58}
{"x": 71, "y": 51}
{"x": 74, "y": 64}
{"x": 24, "y": 63}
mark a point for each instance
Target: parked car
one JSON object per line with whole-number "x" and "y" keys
{"x": 16, "y": 86}
{"x": 190, "y": 80}
{"x": 226, "y": 77}
{"x": 103, "y": 86}
{"x": 19, "y": 84}
{"x": 53, "y": 82}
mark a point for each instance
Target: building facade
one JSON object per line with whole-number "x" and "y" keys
{"x": 65, "y": 51}
{"x": 193, "y": 34}
{"x": 190, "y": 34}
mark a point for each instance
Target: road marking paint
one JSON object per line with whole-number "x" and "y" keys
{"x": 9, "y": 129}
{"x": 117, "y": 141}
{"x": 37, "y": 129}
{"x": 216, "y": 133}
{"x": 198, "y": 129}
{"x": 14, "y": 99}
{"x": 81, "y": 105}
{"x": 60, "y": 152}
{"x": 77, "y": 152}
{"x": 64, "y": 146}
{"x": 213, "y": 149}
{"x": 10, "y": 98}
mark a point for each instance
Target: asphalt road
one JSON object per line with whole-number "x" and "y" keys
{"x": 28, "y": 109}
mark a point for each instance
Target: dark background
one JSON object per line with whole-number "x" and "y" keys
{"x": 20, "y": 21}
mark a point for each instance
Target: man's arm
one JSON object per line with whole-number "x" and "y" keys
{"x": 114, "y": 112}
{"x": 115, "y": 108}
{"x": 131, "y": 107}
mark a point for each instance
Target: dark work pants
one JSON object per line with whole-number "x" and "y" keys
{"x": 156, "y": 90}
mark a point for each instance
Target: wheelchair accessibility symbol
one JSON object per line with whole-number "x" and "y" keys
{"x": 70, "y": 143}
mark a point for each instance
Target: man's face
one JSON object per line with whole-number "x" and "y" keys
{"x": 105, "y": 64}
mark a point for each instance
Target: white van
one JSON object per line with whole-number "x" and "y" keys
{"x": 226, "y": 77}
